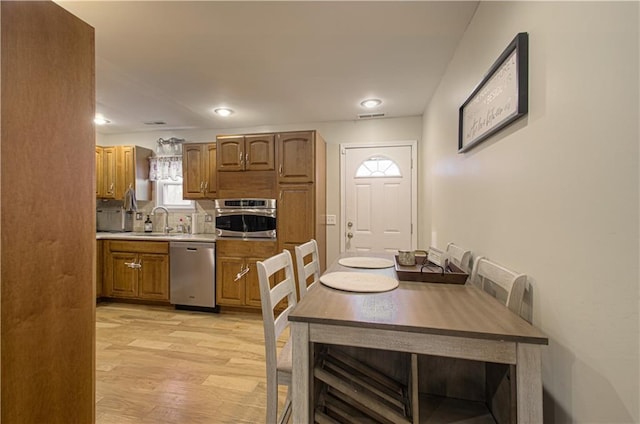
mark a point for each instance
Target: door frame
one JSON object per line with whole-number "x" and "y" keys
{"x": 414, "y": 184}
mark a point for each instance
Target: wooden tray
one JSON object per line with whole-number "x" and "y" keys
{"x": 431, "y": 273}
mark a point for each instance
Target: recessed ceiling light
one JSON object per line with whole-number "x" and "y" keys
{"x": 371, "y": 103}
{"x": 100, "y": 120}
{"x": 223, "y": 111}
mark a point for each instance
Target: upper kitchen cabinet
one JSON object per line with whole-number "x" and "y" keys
{"x": 297, "y": 157}
{"x": 107, "y": 189}
{"x": 119, "y": 168}
{"x": 99, "y": 173}
{"x": 246, "y": 153}
{"x": 132, "y": 165}
{"x": 246, "y": 166}
{"x": 199, "y": 171}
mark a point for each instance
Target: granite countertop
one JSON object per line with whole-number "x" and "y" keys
{"x": 133, "y": 236}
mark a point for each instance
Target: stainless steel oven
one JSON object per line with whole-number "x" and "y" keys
{"x": 246, "y": 218}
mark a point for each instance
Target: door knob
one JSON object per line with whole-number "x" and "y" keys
{"x": 350, "y": 235}
{"x": 349, "y": 224}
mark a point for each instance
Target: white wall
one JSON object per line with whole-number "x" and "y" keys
{"x": 334, "y": 133}
{"x": 555, "y": 195}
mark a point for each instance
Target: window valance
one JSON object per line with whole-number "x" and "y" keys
{"x": 165, "y": 168}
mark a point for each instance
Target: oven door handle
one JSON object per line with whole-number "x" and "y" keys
{"x": 259, "y": 212}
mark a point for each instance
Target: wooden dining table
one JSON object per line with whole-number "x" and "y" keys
{"x": 448, "y": 320}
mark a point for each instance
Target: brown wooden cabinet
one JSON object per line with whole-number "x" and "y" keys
{"x": 153, "y": 276}
{"x": 296, "y": 214}
{"x": 229, "y": 288}
{"x": 122, "y": 276}
{"x": 132, "y": 168}
{"x": 199, "y": 171}
{"x": 108, "y": 173}
{"x": 230, "y": 153}
{"x": 246, "y": 153}
{"x": 297, "y": 157}
{"x": 236, "y": 273}
{"x": 99, "y": 172}
{"x": 99, "y": 267}
{"x": 301, "y": 158}
{"x": 297, "y": 182}
{"x": 121, "y": 167}
{"x": 136, "y": 270}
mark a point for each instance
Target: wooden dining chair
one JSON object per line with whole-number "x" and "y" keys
{"x": 505, "y": 285}
{"x": 278, "y": 365}
{"x": 458, "y": 256}
{"x": 310, "y": 269}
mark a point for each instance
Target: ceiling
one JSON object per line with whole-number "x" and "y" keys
{"x": 273, "y": 63}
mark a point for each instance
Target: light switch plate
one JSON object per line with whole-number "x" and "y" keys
{"x": 138, "y": 216}
{"x": 208, "y": 218}
{"x": 331, "y": 220}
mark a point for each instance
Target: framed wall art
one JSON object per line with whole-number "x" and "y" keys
{"x": 501, "y": 97}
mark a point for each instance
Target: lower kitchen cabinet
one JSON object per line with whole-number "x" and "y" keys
{"x": 99, "y": 268}
{"x": 236, "y": 273}
{"x": 136, "y": 270}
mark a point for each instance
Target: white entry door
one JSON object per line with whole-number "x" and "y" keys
{"x": 379, "y": 198}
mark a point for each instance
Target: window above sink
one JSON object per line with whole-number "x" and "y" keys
{"x": 169, "y": 194}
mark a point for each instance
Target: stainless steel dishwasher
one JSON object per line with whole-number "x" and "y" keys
{"x": 193, "y": 275}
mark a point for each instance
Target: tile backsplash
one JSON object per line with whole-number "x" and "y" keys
{"x": 203, "y": 208}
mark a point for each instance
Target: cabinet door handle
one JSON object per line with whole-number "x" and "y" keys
{"x": 246, "y": 158}
{"x": 110, "y": 191}
{"x": 201, "y": 185}
{"x": 281, "y": 201}
{"x": 240, "y": 158}
{"x": 280, "y": 170}
{"x": 206, "y": 185}
{"x": 133, "y": 265}
{"x": 241, "y": 274}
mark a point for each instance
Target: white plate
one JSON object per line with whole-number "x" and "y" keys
{"x": 358, "y": 282}
{"x": 365, "y": 262}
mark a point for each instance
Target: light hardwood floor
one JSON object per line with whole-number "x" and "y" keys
{"x": 159, "y": 365}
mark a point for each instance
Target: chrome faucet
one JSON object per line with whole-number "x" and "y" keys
{"x": 166, "y": 218}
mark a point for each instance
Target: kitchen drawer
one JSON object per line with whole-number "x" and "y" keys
{"x": 258, "y": 248}
{"x": 160, "y": 247}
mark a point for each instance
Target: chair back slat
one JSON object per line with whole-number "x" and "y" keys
{"x": 279, "y": 292}
{"x": 309, "y": 273}
{"x": 502, "y": 283}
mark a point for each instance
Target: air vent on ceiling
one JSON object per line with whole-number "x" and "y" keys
{"x": 370, "y": 115}
{"x": 155, "y": 123}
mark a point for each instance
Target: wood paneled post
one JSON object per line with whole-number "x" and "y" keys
{"x": 47, "y": 215}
